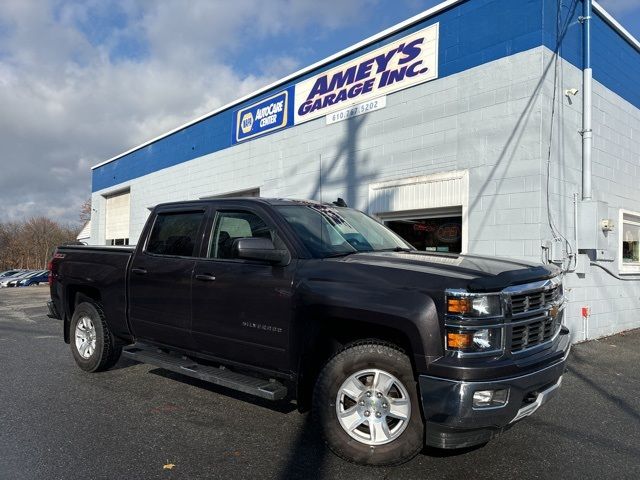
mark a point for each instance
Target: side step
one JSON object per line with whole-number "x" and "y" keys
{"x": 271, "y": 390}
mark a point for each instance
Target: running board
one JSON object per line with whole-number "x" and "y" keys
{"x": 269, "y": 389}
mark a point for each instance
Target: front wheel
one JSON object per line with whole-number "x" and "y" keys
{"x": 92, "y": 344}
{"x": 366, "y": 403}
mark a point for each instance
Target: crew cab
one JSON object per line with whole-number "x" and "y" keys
{"x": 389, "y": 347}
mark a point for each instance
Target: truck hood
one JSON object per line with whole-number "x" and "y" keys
{"x": 478, "y": 273}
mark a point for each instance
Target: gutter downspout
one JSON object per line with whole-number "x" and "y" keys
{"x": 587, "y": 77}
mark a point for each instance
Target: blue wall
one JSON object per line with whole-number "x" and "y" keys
{"x": 471, "y": 34}
{"x": 615, "y": 62}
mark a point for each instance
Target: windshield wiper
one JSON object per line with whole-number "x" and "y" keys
{"x": 340, "y": 254}
{"x": 396, "y": 249}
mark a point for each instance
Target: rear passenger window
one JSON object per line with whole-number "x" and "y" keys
{"x": 175, "y": 234}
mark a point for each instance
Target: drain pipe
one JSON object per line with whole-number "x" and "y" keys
{"x": 587, "y": 76}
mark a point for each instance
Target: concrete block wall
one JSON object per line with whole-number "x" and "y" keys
{"x": 492, "y": 120}
{"x": 614, "y": 304}
{"x": 485, "y": 120}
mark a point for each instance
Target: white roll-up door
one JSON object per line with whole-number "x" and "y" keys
{"x": 117, "y": 219}
{"x": 430, "y": 211}
{"x": 447, "y": 189}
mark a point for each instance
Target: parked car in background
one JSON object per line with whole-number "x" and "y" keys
{"x": 9, "y": 273}
{"x": 41, "y": 276}
{"x": 4, "y": 281}
{"x": 10, "y": 281}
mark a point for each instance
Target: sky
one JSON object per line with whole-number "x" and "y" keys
{"x": 82, "y": 81}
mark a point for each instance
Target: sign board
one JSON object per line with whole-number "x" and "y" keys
{"x": 262, "y": 117}
{"x": 354, "y": 111}
{"x": 403, "y": 63}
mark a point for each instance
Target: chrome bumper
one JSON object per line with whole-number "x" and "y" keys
{"x": 540, "y": 400}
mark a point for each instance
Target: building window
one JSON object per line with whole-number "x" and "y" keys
{"x": 117, "y": 241}
{"x": 439, "y": 230}
{"x": 253, "y": 192}
{"x": 630, "y": 242}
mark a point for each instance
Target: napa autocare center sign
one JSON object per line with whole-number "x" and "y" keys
{"x": 263, "y": 117}
{"x": 398, "y": 65}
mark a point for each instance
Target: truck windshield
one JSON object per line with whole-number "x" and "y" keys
{"x": 329, "y": 231}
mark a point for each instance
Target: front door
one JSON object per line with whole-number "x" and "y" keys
{"x": 160, "y": 279}
{"x": 242, "y": 308}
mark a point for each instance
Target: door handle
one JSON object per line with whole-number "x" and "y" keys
{"x": 206, "y": 277}
{"x": 139, "y": 271}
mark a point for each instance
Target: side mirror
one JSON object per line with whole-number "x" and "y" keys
{"x": 257, "y": 248}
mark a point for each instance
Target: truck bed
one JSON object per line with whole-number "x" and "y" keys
{"x": 102, "y": 269}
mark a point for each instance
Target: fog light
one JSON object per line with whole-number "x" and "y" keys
{"x": 490, "y": 398}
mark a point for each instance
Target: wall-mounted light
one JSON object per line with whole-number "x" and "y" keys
{"x": 607, "y": 225}
{"x": 571, "y": 92}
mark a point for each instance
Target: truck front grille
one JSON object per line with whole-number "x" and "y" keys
{"x": 531, "y": 301}
{"x": 534, "y": 333}
{"x": 530, "y": 319}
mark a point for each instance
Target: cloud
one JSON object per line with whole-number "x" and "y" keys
{"x": 83, "y": 81}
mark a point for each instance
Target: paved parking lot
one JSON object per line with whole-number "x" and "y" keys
{"x": 57, "y": 422}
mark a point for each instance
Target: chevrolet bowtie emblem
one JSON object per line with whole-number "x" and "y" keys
{"x": 553, "y": 311}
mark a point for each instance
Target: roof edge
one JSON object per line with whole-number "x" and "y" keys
{"x": 364, "y": 43}
{"x": 607, "y": 17}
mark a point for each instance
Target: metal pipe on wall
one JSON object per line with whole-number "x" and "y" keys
{"x": 587, "y": 77}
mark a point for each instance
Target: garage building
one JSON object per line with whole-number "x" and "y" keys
{"x": 488, "y": 127}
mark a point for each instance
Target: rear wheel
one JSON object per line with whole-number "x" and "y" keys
{"x": 366, "y": 403}
{"x": 92, "y": 344}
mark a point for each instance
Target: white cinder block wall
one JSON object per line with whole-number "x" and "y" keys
{"x": 614, "y": 304}
{"x": 492, "y": 120}
{"x": 481, "y": 120}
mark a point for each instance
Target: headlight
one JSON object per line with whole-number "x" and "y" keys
{"x": 475, "y": 305}
{"x": 473, "y": 341}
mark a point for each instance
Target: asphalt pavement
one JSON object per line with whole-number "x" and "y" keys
{"x": 141, "y": 422}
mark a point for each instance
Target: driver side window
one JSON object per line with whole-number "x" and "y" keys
{"x": 230, "y": 226}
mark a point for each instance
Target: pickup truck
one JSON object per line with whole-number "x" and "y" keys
{"x": 390, "y": 348}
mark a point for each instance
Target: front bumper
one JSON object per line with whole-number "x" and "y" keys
{"x": 453, "y": 422}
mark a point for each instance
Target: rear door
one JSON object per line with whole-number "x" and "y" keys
{"x": 241, "y": 308}
{"x": 160, "y": 277}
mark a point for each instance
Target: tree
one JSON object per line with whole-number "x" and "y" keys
{"x": 30, "y": 244}
{"x": 85, "y": 212}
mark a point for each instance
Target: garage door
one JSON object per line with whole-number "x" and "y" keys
{"x": 118, "y": 219}
{"x": 430, "y": 211}
{"x": 431, "y": 230}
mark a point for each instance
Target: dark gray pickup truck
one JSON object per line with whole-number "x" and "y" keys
{"x": 391, "y": 348}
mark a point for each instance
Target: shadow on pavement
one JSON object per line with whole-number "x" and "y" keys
{"x": 621, "y": 403}
{"x": 575, "y": 435}
{"x": 307, "y": 454}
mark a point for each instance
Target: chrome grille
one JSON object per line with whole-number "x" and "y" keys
{"x": 532, "y": 322}
{"x": 536, "y": 332}
{"x": 527, "y": 302}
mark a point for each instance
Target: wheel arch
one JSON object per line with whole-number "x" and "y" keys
{"x": 323, "y": 335}
{"x": 75, "y": 295}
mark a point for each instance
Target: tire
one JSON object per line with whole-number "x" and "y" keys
{"x": 92, "y": 344}
{"x": 358, "y": 364}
